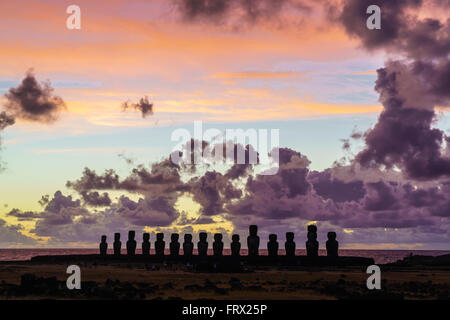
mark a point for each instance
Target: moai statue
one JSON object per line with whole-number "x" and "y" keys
{"x": 272, "y": 245}
{"x": 160, "y": 245}
{"x": 289, "y": 245}
{"x": 188, "y": 246}
{"x": 332, "y": 245}
{"x": 312, "y": 246}
{"x": 253, "y": 241}
{"x": 235, "y": 245}
{"x": 202, "y": 245}
{"x": 117, "y": 244}
{"x": 218, "y": 245}
{"x": 146, "y": 244}
{"x": 103, "y": 246}
{"x": 174, "y": 245}
{"x": 131, "y": 243}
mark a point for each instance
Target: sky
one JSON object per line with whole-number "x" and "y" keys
{"x": 86, "y": 118}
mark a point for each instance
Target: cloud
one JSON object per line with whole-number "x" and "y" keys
{"x": 22, "y": 216}
{"x": 404, "y": 136}
{"x": 335, "y": 189}
{"x": 238, "y": 12}
{"x": 6, "y": 120}
{"x": 401, "y": 31}
{"x": 95, "y": 199}
{"x": 67, "y": 220}
{"x": 10, "y": 235}
{"x": 144, "y": 106}
{"x": 33, "y": 101}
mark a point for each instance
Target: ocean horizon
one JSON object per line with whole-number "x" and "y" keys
{"x": 379, "y": 256}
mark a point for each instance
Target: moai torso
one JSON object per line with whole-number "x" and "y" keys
{"x": 174, "y": 245}
{"x": 272, "y": 245}
{"x": 160, "y": 244}
{"x": 289, "y": 245}
{"x": 188, "y": 245}
{"x": 146, "y": 244}
{"x": 103, "y": 246}
{"x": 131, "y": 244}
{"x": 332, "y": 245}
{"x": 218, "y": 245}
{"x": 253, "y": 241}
{"x": 312, "y": 246}
{"x": 202, "y": 245}
{"x": 235, "y": 245}
{"x": 117, "y": 244}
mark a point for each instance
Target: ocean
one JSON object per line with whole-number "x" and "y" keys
{"x": 380, "y": 256}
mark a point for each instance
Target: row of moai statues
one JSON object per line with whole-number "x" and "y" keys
{"x": 312, "y": 245}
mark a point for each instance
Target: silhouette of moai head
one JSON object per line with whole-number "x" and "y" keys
{"x": 218, "y": 244}
{"x": 131, "y": 243}
{"x": 160, "y": 244}
{"x": 332, "y": 245}
{"x": 188, "y": 246}
{"x": 253, "y": 230}
{"x": 188, "y": 238}
{"x": 289, "y": 236}
{"x": 203, "y": 236}
{"x": 272, "y": 245}
{"x": 289, "y": 245}
{"x": 235, "y": 245}
{"x": 312, "y": 228}
{"x": 253, "y": 241}
{"x": 174, "y": 244}
{"x": 202, "y": 245}
{"x": 103, "y": 246}
{"x": 146, "y": 244}
{"x": 312, "y": 246}
{"x": 117, "y": 244}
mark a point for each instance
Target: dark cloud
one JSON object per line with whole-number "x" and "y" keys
{"x": 163, "y": 177}
{"x": 337, "y": 190}
{"x": 150, "y": 211}
{"x": 238, "y": 12}
{"x": 404, "y": 135}
{"x": 33, "y": 101}
{"x": 67, "y": 220}
{"x": 401, "y": 30}
{"x": 96, "y": 199}
{"x": 22, "y": 215}
{"x": 90, "y": 180}
{"x": 394, "y": 21}
{"x": 10, "y": 235}
{"x": 144, "y": 106}
{"x": 212, "y": 190}
{"x": 6, "y": 120}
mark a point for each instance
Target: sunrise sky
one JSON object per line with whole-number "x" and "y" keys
{"x": 298, "y": 66}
